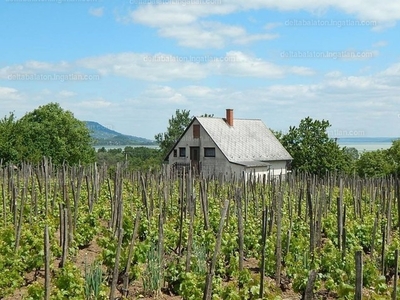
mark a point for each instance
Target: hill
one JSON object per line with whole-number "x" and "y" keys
{"x": 104, "y": 136}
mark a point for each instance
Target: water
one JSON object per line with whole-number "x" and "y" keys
{"x": 108, "y": 147}
{"x": 366, "y": 144}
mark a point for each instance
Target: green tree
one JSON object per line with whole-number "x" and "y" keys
{"x": 176, "y": 126}
{"x": 8, "y": 153}
{"x": 394, "y": 156}
{"x": 312, "y": 149}
{"x": 374, "y": 164}
{"x": 351, "y": 156}
{"x": 55, "y": 133}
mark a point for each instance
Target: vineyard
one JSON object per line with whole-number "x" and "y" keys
{"x": 92, "y": 232}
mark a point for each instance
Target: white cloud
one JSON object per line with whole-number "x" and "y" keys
{"x": 95, "y": 104}
{"x": 97, "y": 12}
{"x": 166, "y": 67}
{"x": 7, "y": 94}
{"x": 239, "y": 64}
{"x": 380, "y": 44}
{"x": 156, "y": 67}
{"x": 333, "y": 74}
{"x": 185, "y": 22}
{"x": 20, "y": 72}
{"x": 164, "y": 94}
{"x": 272, "y": 25}
{"x": 66, "y": 94}
{"x": 211, "y": 35}
{"x": 391, "y": 71}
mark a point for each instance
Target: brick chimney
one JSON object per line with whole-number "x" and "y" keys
{"x": 229, "y": 116}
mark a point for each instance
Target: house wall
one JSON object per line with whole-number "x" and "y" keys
{"x": 208, "y": 165}
{"x": 275, "y": 169}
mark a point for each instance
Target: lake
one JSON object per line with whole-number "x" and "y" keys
{"x": 367, "y": 144}
{"x": 108, "y": 147}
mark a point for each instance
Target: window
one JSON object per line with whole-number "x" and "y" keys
{"x": 209, "y": 152}
{"x": 196, "y": 131}
{"x": 175, "y": 153}
{"x": 182, "y": 152}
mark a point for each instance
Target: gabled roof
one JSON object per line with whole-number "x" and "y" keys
{"x": 244, "y": 142}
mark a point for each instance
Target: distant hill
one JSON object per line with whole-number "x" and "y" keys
{"x": 105, "y": 136}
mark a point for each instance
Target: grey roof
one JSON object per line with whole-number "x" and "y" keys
{"x": 244, "y": 142}
{"x": 253, "y": 163}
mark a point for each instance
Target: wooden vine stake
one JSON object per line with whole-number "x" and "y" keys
{"x": 263, "y": 238}
{"x": 208, "y": 287}
{"x": 396, "y": 274}
{"x": 279, "y": 200}
{"x": 359, "y": 276}
{"x": 47, "y": 270}
{"x": 130, "y": 254}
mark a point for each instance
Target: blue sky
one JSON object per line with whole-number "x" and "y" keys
{"x": 130, "y": 64}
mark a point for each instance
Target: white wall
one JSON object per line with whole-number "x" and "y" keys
{"x": 208, "y": 165}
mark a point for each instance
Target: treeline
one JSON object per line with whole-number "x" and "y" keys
{"x": 135, "y": 158}
{"x": 49, "y": 131}
{"x": 314, "y": 152}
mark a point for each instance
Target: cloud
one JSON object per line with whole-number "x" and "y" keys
{"x": 164, "y": 94}
{"x": 211, "y": 35}
{"x": 97, "y": 12}
{"x": 186, "y": 23}
{"x": 94, "y": 104}
{"x": 147, "y": 67}
{"x": 273, "y": 25}
{"x": 166, "y": 67}
{"x": 33, "y": 67}
{"x": 66, "y": 94}
{"x": 333, "y": 74}
{"x": 380, "y": 44}
{"x": 7, "y": 94}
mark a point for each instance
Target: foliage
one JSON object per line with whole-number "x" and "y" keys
{"x": 137, "y": 158}
{"x": 53, "y": 132}
{"x": 394, "y": 157}
{"x": 8, "y": 152}
{"x": 374, "y": 164}
{"x": 336, "y": 271}
{"x": 176, "y": 126}
{"x": 93, "y": 281}
{"x": 47, "y": 131}
{"x": 312, "y": 149}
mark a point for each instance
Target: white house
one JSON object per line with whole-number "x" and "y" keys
{"x": 228, "y": 146}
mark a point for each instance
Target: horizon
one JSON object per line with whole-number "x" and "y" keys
{"x": 130, "y": 64}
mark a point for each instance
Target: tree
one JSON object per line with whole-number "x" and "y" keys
{"x": 176, "y": 126}
{"x": 312, "y": 149}
{"x": 53, "y": 132}
{"x": 8, "y": 153}
{"x": 394, "y": 156}
{"x": 374, "y": 164}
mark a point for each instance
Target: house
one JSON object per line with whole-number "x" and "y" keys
{"x": 227, "y": 146}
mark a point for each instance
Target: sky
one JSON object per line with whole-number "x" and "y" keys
{"x": 129, "y": 65}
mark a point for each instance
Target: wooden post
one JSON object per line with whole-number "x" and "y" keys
{"x": 359, "y": 276}
{"x": 208, "y": 286}
{"x": 396, "y": 274}
{"x": 240, "y": 229}
{"x": 308, "y": 292}
{"x": 279, "y": 200}
{"x": 116, "y": 266}
{"x": 263, "y": 241}
{"x": 130, "y": 254}
{"x": 47, "y": 270}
